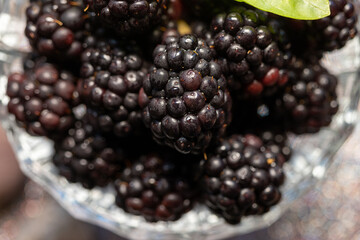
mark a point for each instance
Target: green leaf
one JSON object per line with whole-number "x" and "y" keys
{"x": 298, "y": 9}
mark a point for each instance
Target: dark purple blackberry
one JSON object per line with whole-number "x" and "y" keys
{"x": 129, "y": 16}
{"x": 56, "y": 28}
{"x": 112, "y": 77}
{"x": 158, "y": 186}
{"x": 42, "y": 99}
{"x": 326, "y": 34}
{"x": 242, "y": 177}
{"x": 86, "y": 157}
{"x": 189, "y": 105}
{"x": 251, "y": 47}
{"x": 309, "y": 100}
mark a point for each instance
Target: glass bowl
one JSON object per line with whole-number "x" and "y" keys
{"x": 312, "y": 155}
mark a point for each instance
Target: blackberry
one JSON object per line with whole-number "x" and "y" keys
{"x": 252, "y": 48}
{"x": 112, "y": 76}
{"x": 309, "y": 100}
{"x": 326, "y": 34}
{"x": 242, "y": 177}
{"x": 87, "y": 157}
{"x": 158, "y": 186}
{"x": 189, "y": 104}
{"x": 129, "y": 16}
{"x": 56, "y": 28}
{"x": 42, "y": 99}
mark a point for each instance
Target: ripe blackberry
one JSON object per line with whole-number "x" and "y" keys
{"x": 112, "y": 76}
{"x": 87, "y": 157}
{"x": 55, "y": 28}
{"x": 242, "y": 177}
{"x": 326, "y": 34}
{"x": 158, "y": 186}
{"x": 189, "y": 104}
{"x": 42, "y": 99}
{"x": 129, "y": 16}
{"x": 309, "y": 100}
{"x": 252, "y": 49}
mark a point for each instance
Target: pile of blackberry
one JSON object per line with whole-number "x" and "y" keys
{"x": 177, "y": 102}
{"x": 112, "y": 74}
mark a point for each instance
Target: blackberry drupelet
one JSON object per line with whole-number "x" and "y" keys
{"x": 188, "y": 104}
{"x": 242, "y": 177}
{"x": 112, "y": 75}
{"x": 87, "y": 157}
{"x": 129, "y": 16}
{"x": 326, "y": 34}
{"x": 309, "y": 100}
{"x": 252, "y": 48}
{"x": 158, "y": 186}
{"x": 55, "y": 28}
{"x": 42, "y": 99}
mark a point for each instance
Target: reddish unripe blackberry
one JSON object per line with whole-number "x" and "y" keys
{"x": 128, "y": 16}
{"x": 42, "y": 99}
{"x": 55, "y": 28}
{"x": 188, "y": 103}
{"x": 242, "y": 177}
{"x": 158, "y": 186}
{"x": 252, "y": 47}
{"x": 309, "y": 100}
{"x": 87, "y": 157}
{"x": 112, "y": 76}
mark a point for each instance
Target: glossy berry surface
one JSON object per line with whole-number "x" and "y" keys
{"x": 242, "y": 177}
{"x": 112, "y": 76}
{"x": 129, "y": 17}
{"x": 157, "y": 186}
{"x": 252, "y": 50}
{"x": 42, "y": 99}
{"x": 188, "y": 103}
{"x": 86, "y": 157}
{"x": 56, "y": 28}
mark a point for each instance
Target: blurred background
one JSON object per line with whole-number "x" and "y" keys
{"x": 330, "y": 211}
